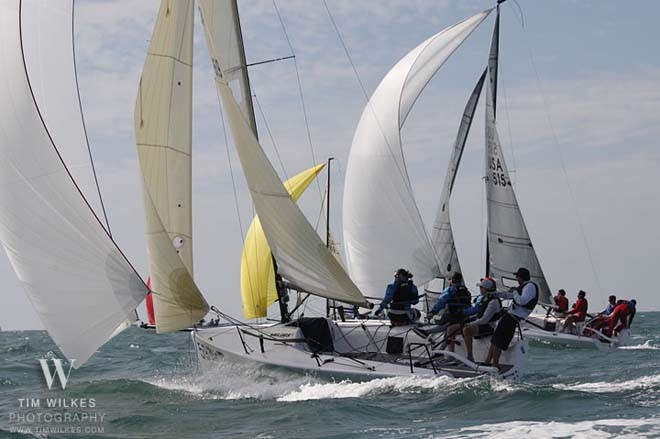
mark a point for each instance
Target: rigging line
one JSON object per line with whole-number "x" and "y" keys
{"x": 563, "y": 164}
{"x": 231, "y": 171}
{"x": 300, "y": 91}
{"x": 402, "y": 171}
{"x": 508, "y": 122}
{"x": 270, "y": 134}
{"x": 82, "y": 117}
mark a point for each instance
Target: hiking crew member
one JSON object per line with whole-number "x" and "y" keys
{"x": 400, "y": 296}
{"x": 611, "y": 303}
{"x": 623, "y": 310}
{"x": 489, "y": 310}
{"x": 578, "y": 313}
{"x": 561, "y": 301}
{"x": 602, "y": 319}
{"x": 523, "y": 300}
{"x": 454, "y": 300}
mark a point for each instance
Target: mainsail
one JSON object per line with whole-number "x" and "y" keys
{"x": 383, "y": 229}
{"x": 442, "y": 236}
{"x": 509, "y": 244}
{"x": 257, "y": 271}
{"x": 80, "y": 284}
{"x": 163, "y": 121}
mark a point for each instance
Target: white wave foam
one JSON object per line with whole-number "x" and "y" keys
{"x": 233, "y": 381}
{"x": 604, "y": 428}
{"x": 646, "y": 345}
{"x": 349, "y": 389}
{"x": 614, "y": 386}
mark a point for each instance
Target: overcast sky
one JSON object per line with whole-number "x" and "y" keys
{"x": 579, "y": 111}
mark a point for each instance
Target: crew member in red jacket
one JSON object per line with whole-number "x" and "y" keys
{"x": 561, "y": 302}
{"x": 622, "y": 311}
{"x": 576, "y": 314}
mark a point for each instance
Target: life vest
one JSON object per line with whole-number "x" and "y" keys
{"x": 403, "y": 296}
{"x": 532, "y": 303}
{"x": 562, "y": 303}
{"x": 581, "y": 306}
{"x": 460, "y": 300}
{"x": 484, "y": 304}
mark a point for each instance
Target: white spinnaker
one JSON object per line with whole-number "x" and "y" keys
{"x": 49, "y": 56}
{"x": 301, "y": 255}
{"x": 79, "y": 283}
{"x": 509, "y": 244}
{"x": 383, "y": 229}
{"x": 163, "y": 134}
{"x": 222, "y": 28}
{"x": 442, "y": 236}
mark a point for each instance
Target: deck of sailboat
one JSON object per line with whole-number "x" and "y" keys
{"x": 360, "y": 350}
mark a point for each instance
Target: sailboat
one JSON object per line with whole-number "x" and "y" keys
{"x": 64, "y": 253}
{"x": 323, "y": 345}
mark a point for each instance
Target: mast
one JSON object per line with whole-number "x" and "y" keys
{"x": 493, "y": 59}
{"x": 327, "y": 235}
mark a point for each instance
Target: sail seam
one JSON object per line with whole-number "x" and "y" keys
{"x": 52, "y": 142}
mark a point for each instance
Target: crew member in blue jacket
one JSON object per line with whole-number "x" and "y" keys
{"x": 400, "y": 295}
{"x": 454, "y": 299}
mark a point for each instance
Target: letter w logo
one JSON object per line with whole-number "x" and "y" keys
{"x": 59, "y": 371}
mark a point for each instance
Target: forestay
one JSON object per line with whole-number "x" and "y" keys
{"x": 509, "y": 244}
{"x": 442, "y": 236}
{"x": 257, "y": 271}
{"x": 163, "y": 121}
{"x": 383, "y": 229}
{"x": 79, "y": 282}
{"x": 301, "y": 255}
{"x": 222, "y": 28}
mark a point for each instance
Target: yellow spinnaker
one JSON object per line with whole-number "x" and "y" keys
{"x": 257, "y": 272}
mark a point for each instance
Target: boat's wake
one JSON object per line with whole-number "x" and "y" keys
{"x": 647, "y": 345}
{"x": 349, "y": 389}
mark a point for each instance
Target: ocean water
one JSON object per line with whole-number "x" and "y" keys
{"x": 147, "y": 385}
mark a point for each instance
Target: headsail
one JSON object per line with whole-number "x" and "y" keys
{"x": 80, "y": 284}
{"x": 225, "y": 42}
{"x": 163, "y": 121}
{"x": 301, "y": 255}
{"x": 509, "y": 244}
{"x": 257, "y": 271}
{"x": 383, "y": 229}
{"x": 442, "y": 236}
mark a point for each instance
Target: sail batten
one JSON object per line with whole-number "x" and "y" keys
{"x": 163, "y": 132}
{"x": 77, "y": 279}
{"x": 378, "y": 197}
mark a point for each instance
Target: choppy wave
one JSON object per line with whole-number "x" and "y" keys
{"x": 644, "y": 382}
{"x": 646, "y": 345}
{"x": 603, "y": 428}
{"x": 349, "y": 389}
{"x": 233, "y": 381}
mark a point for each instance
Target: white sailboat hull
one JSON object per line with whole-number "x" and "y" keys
{"x": 533, "y": 331}
{"x": 360, "y": 351}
